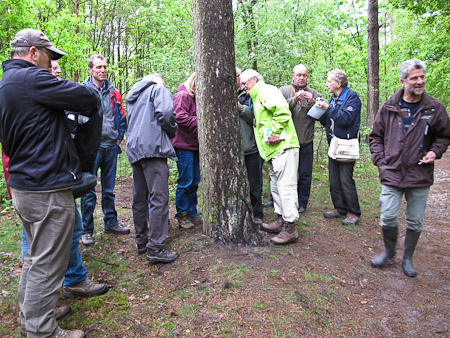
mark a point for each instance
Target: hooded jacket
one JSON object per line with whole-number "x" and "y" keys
{"x": 151, "y": 122}
{"x": 397, "y": 152}
{"x": 272, "y": 111}
{"x": 114, "y": 123}
{"x": 186, "y": 112}
{"x": 33, "y": 126}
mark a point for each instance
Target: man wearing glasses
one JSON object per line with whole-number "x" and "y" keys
{"x": 43, "y": 168}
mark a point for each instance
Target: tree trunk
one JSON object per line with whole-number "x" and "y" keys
{"x": 373, "y": 79}
{"x": 227, "y": 212}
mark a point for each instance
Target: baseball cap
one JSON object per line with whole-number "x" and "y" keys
{"x": 31, "y": 37}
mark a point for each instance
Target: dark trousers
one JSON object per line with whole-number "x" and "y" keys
{"x": 305, "y": 166}
{"x": 342, "y": 187}
{"x": 150, "y": 182}
{"x": 254, "y": 178}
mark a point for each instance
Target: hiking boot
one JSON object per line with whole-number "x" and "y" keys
{"x": 275, "y": 227}
{"x": 62, "y": 311}
{"x": 301, "y": 209}
{"x": 288, "y": 235}
{"x": 333, "y": 214}
{"x": 161, "y": 256}
{"x": 350, "y": 219}
{"x": 86, "y": 288}
{"x": 184, "y": 221}
{"x": 117, "y": 230}
{"x": 196, "y": 220}
{"x": 141, "y": 248}
{"x": 87, "y": 239}
{"x": 69, "y": 333}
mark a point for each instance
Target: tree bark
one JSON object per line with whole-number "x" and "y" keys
{"x": 227, "y": 212}
{"x": 373, "y": 79}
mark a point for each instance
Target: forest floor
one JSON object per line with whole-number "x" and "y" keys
{"x": 320, "y": 286}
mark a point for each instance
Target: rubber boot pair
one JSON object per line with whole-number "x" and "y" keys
{"x": 390, "y": 235}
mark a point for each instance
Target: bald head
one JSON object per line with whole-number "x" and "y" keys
{"x": 300, "y": 76}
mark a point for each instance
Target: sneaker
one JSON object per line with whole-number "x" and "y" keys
{"x": 62, "y": 311}
{"x": 350, "y": 219}
{"x": 87, "y": 239}
{"x": 117, "y": 230}
{"x": 69, "y": 333}
{"x": 275, "y": 227}
{"x": 333, "y": 214}
{"x": 301, "y": 209}
{"x": 288, "y": 235}
{"x": 184, "y": 221}
{"x": 86, "y": 288}
{"x": 161, "y": 256}
{"x": 141, "y": 248}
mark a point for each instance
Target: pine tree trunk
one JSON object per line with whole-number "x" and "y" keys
{"x": 226, "y": 202}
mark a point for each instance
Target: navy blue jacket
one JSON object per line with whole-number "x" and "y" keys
{"x": 346, "y": 113}
{"x": 33, "y": 126}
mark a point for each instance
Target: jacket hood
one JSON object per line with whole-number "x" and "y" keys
{"x": 137, "y": 89}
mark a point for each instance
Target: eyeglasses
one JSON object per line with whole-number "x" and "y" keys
{"x": 50, "y": 55}
{"x": 243, "y": 83}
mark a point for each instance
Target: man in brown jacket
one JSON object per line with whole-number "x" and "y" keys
{"x": 411, "y": 131}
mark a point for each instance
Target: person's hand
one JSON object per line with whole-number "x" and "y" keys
{"x": 307, "y": 95}
{"x": 321, "y": 103}
{"x": 272, "y": 139}
{"x": 299, "y": 95}
{"x": 119, "y": 142}
{"x": 428, "y": 158}
{"x": 239, "y": 105}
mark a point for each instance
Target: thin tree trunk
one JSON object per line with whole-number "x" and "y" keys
{"x": 373, "y": 79}
{"x": 226, "y": 202}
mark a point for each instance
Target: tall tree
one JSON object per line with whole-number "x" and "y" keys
{"x": 373, "y": 80}
{"x": 226, "y": 203}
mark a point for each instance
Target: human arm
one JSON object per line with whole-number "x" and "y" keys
{"x": 376, "y": 138}
{"x": 348, "y": 111}
{"x": 185, "y": 110}
{"x": 164, "y": 113}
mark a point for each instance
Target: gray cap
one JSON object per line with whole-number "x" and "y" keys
{"x": 31, "y": 37}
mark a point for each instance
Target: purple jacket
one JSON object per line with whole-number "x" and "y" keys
{"x": 397, "y": 153}
{"x": 186, "y": 117}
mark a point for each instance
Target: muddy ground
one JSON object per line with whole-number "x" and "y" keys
{"x": 321, "y": 286}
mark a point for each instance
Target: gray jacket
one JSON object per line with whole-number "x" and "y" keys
{"x": 151, "y": 122}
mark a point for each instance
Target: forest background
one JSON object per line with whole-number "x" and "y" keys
{"x": 144, "y": 36}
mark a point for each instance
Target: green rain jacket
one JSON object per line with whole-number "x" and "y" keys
{"x": 272, "y": 111}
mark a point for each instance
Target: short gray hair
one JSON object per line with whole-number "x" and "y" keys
{"x": 19, "y": 51}
{"x": 410, "y": 65}
{"x": 91, "y": 59}
{"x": 155, "y": 77}
{"x": 340, "y": 76}
{"x": 250, "y": 73}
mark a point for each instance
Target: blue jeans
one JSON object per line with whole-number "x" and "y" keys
{"x": 416, "y": 203}
{"x": 75, "y": 272}
{"x": 107, "y": 162}
{"x": 188, "y": 179}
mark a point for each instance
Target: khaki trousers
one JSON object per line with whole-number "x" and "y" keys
{"x": 283, "y": 183}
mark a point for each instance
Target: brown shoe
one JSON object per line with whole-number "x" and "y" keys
{"x": 333, "y": 214}
{"x": 275, "y": 227}
{"x": 184, "y": 221}
{"x": 196, "y": 220}
{"x": 62, "y": 311}
{"x": 288, "y": 235}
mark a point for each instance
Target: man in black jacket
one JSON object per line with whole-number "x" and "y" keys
{"x": 43, "y": 168}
